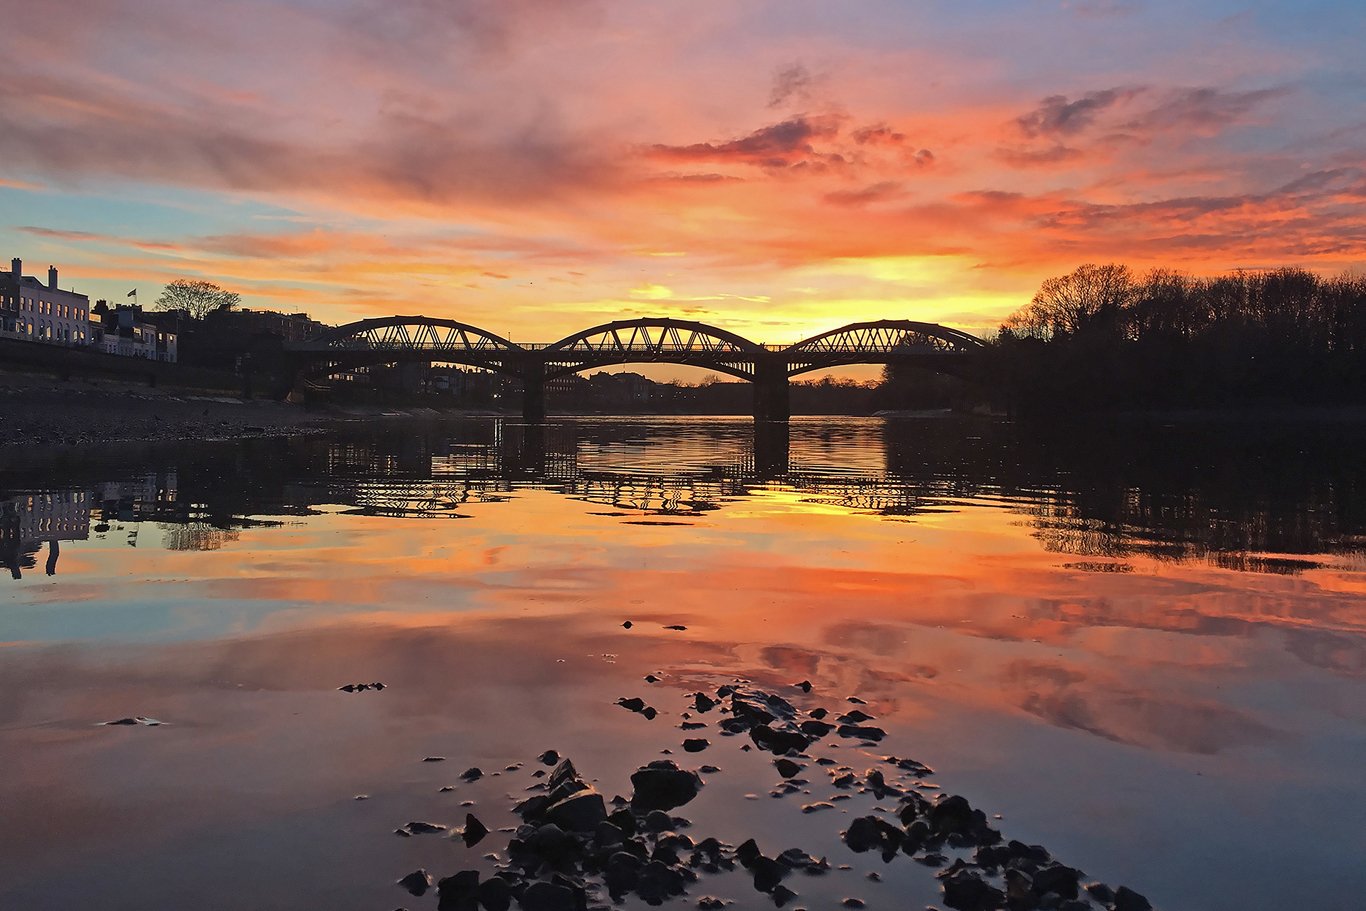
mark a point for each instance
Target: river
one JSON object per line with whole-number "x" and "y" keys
{"x": 1142, "y": 646}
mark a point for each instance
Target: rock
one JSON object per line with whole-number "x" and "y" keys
{"x": 816, "y": 807}
{"x": 417, "y": 882}
{"x": 622, "y": 872}
{"x": 852, "y": 903}
{"x": 474, "y": 773}
{"x": 804, "y": 686}
{"x": 868, "y": 832}
{"x": 657, "y": 821}
{"x": 474, "y": 831}
{"x": 649, "y": 713}
{"x": 747, "y": 853}
{"x": 855, "y": 717}
{"x": 420, "y": 828}
{"x": 816, "y": 729}
{"x": 1100, "y": 892}
{"x": 692, "y": 725}
{"x": 710, "y": 903}
{"x": 657, "y": 882}
{"x": 952, "y": 814}
{"x": 1056, "y": 878}
{"x": 677, "y": 626}
{"x": 782, "y": 895}
{"x": 818, "y": 713}
{"x": 608, "y": 835}
{"x": 562, "y": 774}
{"x": 434, "y": 759}
{"x": 1127, "y": 899}
{"x": 633, "y": 704}
{"x": 760, "y": 708}
{"x": 550, "y": 844}
{"x": 767, "y": 873}
{"x": 579, "y": 812}
{"x": 787, "y": 768}
{"x": 709, "y": 770}
{"x": 544, "y": 896}
{"x": 696, "y": 744}
{"x": 627, "y": 625}
{"x": 703, "y": 703}
{"x": 494, "y": 894}
{"x": 533, "y": 807}
{"x": 864, "y": 732}
{"x": 855, "y": 700}
{"x": 651, "y": 678}
{"x": 662, "y": 785}
{"x": 779, "y": 740}
{"x": 549, "y": 757}
{"x": 457, "y": 893}
{"x": 965, "y": 890}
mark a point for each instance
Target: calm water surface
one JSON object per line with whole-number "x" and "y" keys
{"x": 1143, "y": 647}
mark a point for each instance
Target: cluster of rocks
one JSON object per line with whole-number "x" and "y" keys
{"x": 575, "y": 844}
{"x": 360, "y": 687}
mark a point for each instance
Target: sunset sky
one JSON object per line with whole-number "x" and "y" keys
{"x": 777, "y": 168}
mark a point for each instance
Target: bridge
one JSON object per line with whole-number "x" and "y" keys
{"x": 398, "y": 339}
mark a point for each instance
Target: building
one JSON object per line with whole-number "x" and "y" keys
{"x": 39, "y": 312}
{"x": 125, "y": 331}
{"x": 30, "y": 520}
{"x": 292, "y": 327}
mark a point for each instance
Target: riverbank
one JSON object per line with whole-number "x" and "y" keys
{"x": 41, "y": 412}
{"x": 41, "y": 415}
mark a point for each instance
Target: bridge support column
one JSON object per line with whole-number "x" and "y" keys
{"x": 771, "y": 401}
{"x": 533, "y": 397}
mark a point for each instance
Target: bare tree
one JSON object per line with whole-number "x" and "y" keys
{"x": 1068, "y": 302}
{"x": 198, "y": 298}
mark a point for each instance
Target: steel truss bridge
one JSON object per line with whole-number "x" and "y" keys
{"x": 650, "y": 340}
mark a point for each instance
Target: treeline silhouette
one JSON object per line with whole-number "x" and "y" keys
{"x": 1101, "y": 338}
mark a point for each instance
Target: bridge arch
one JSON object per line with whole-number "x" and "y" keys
{"x": 407, "y": 338}
{"x": 406, "y": 333}
{"x": 653, "y": 340}
{"x": 878, "y": 342}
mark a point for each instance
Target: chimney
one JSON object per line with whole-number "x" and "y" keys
{"x": 52, "y": 277}
{"x": 17, "y": 265}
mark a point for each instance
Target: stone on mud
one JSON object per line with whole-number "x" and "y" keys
{"x": 662, "y": 785}
{"x": 579, "y": 812}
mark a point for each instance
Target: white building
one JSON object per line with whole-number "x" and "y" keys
{"x": 37, "y": 312}
{"x": 126, "y": 332}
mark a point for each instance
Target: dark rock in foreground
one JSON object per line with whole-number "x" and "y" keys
{"x": 417, "y": 882}
{"x": 662, "y": 785}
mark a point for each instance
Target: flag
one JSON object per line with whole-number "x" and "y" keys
{"x": 133, "y": 293}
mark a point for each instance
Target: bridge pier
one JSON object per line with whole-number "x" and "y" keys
{"x": 533, "y": 397}
{"x": 771, "y": 399}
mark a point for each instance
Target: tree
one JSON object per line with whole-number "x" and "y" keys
{"x": 1066, "y": 304}
{"x": 198, "y": 298}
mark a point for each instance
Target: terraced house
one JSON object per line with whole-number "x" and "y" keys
{"x": 41, "y": 312}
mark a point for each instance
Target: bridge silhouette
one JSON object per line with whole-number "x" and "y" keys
{"x": 397, "y": 339}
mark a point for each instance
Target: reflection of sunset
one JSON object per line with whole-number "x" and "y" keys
{"x": 992, "y": 615}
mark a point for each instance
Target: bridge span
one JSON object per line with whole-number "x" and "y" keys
{"x": 660, "y": 340}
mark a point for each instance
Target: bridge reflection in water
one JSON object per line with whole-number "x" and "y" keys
{"x": 1163, "y": 492}
{"x": 555, "y": 457}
